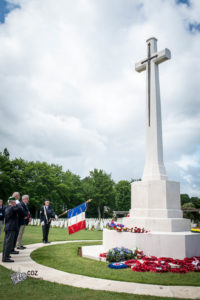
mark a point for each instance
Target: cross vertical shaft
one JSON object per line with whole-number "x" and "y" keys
{"x": 154, "y": 166}
{"x": 149, "y": 82}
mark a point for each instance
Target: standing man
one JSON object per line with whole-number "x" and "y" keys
{"x": 46, "y": 214}
{"x": 2, "y": 215}
{"x": 24, "y": 219}
{"x": 11, "y": 226}
{"x": 16, "y": 195}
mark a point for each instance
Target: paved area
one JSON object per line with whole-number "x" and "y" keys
{"x": 24, "y": 263}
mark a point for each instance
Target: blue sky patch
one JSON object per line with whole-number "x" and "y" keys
{"x": 187, "y": 2}
{"x": 5, "y": 8}
{"x": 194, "y": 27}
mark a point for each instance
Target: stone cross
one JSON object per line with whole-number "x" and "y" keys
{"x": 154, "y": 166}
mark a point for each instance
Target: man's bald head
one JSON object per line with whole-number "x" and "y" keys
{"x": 16, "y": 195}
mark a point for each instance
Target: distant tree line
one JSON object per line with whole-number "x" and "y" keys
{"x": 191, "y": 207}
{"x": 66, "y": 190}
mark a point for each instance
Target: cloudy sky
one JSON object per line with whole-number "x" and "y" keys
{"x": 69, "y": 93}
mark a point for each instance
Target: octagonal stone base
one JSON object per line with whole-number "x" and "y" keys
{"x": 155, "y": 205}
{"x": 159, "y": 224}
{"x": 161, "y": 244}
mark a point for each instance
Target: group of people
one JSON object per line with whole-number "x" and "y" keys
{"x": 16, "y": 216}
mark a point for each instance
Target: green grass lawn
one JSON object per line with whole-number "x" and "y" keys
{"x": 33, "y": 234}
{"x": 64, "y": 257}
{"x": 39, "y": 289}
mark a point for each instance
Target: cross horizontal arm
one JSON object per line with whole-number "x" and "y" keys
{"x": 140, "y": 66}
{"x": 163, "y": 56}
{"x": 157, "y": 57}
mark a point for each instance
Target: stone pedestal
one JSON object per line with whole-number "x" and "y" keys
{"x": 161, "y": 244}
{"x": 155, "y": 205}
{"x": 155, "y": 201}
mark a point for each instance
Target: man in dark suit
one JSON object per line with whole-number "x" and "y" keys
{"x": 2, "y": 215}
{"x": 24, "y": 219}
{"x": 11, "y": 227}
{"x": 20, "y": 213}
{"x": 46, "y": 215}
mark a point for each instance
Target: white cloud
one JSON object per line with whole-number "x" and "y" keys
{"x": 70, "y": 95}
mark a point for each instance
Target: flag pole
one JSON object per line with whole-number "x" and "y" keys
{"x": 89, "y": 200}
{"x": 66, "y": 211}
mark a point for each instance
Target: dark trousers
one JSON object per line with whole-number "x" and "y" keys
{"x": 8, "y": 243}
{"x": 15, "y": 239}
{"x": 45, "y": 231}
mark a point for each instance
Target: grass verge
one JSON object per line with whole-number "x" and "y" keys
{"x": 39, "y": 289}
{"x": 33, "y": 234}
{"x": 64, "y": 257}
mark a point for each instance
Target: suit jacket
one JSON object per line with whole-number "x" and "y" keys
{"x": 50, "y": 214}
{"x": 23, "y": 213}
{"x": 2, "y": 213}
{"x": 11, "y": 218}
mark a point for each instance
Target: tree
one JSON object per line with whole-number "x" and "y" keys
{"x": 100, "y": 188}
{"x": 195, "y": 201}
{"x": 184, "y": 199}
{"x": 87, "y": 192}
{"x": 6, "y": 183}
{"x": 192, "y": 215}
{"x": 123, "y": 195}
{"x": 18, "y": 175}
{"x": 75, "y": 189}
{"x": 64, "y": 189}
{"x": 6, "y": 153}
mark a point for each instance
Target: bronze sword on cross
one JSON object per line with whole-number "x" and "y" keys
{"x": 149, "y": 79}
{"x": 154, "y": 165}
{"x": 155, "y": 58}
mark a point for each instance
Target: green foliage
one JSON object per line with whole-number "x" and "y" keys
{"x": 64, "y": 257}
{"x": 123, "y": 195}
{"x": 189, "y": 204}
{"x": 65, "y": 190}
{"x": 33, "y": 288}
{"x": 184, "y": 199}
{"x": 6, "y": 153}
{"x": 194, "y": 200}
{"x": 100, "y": 187}
{"x": 120, "y": 254}
{"x": 192, "y": 215}
{"x": 33, "y": 234}
{"x": 39, "y": 180}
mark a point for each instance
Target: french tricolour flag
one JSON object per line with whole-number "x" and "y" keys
{"x": 76, "y": 218}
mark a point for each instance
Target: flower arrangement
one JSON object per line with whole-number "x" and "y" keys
{"x": 117, "y": 266}
{"x": 194, "y": 229}
{"x": 103, "y": 254}
{"x": 138, "y": 253}
{"x": 127, "y": 253}
{"x": 164, "y": 264}
{"x": 119, "y": 254}
{"x": 138, "y": 262}
{"x": 121, "y": 228}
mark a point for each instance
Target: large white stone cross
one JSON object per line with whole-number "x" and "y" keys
{"x": 154, "y": 166}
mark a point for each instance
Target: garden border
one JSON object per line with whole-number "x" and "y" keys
{"x": 24, "y": 263}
